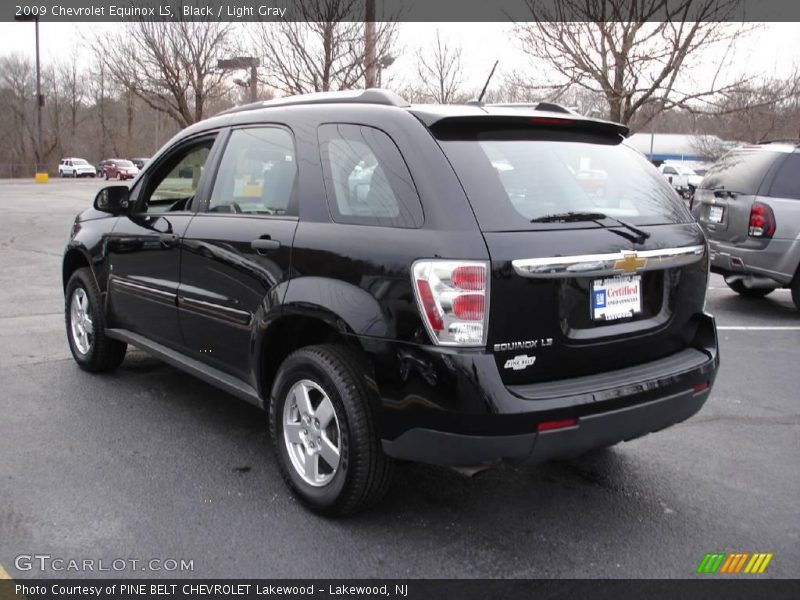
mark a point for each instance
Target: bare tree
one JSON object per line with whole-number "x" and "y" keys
{"x": 17, "y": 93}
{"x": 636, "y": 53}
{"x": 440, "y": 71}
{"x": 323, "y": 52}
{"x": 171, "y": 66}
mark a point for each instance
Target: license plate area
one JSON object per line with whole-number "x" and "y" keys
{"x": 715, "y": 214}
{"x": 615, "y": 298}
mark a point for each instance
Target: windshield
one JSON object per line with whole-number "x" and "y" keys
{"x": 516, "y": 184}
{"x": 79, "y": 161}
{"x": 124, "y": 163}
{"x": 685, "y": 171}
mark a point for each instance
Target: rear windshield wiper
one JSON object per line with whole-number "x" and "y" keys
{"x": 595, "y": 217}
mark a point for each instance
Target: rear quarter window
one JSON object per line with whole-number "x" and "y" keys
{"x": 367, "y": 182}
{"x": 787, "y": 181}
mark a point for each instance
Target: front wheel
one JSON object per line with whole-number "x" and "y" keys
{"x": 90, "y": 347}
{"x": 324, "y": 434}
{"x": 740, "y": 288}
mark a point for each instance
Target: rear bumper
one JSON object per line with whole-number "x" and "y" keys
{"x": 472, "y": 418}
{"x": 591, "y": 431}
{"x": 777, "y": 261}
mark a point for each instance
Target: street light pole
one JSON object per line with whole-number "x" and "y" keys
{"x": 39, "y": 103}
{"x": 244, "y": 62}
{"x": 40, "y": 173}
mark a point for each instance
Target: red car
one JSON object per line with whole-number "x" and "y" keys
{"x": 116, "y": 168}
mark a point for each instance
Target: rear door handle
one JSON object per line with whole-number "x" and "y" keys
{"x": 264, "y": 244}
{"x": 168, "y": 239}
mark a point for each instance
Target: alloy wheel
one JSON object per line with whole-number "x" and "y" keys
{"x": 311, "y": 433}
{"x": 81, "y": 324}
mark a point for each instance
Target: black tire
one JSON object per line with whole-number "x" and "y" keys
{"x": 74, "y": 174}
{"x": 103, "y": 353}
{"x": 364, "y": 473}
{"x": 796, "y": 290}
{"x": 746, "y": 292}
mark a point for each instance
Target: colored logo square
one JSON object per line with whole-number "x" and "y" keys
{"x": 599, "y": 299}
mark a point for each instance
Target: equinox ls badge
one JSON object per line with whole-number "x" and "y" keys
{"x": 519, "y": 362}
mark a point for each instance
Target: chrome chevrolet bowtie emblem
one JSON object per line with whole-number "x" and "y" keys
{"x": 630, "y": 263}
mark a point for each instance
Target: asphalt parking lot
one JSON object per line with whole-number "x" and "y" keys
{"x": 151, "y": 463}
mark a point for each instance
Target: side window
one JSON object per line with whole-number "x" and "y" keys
{"x": 174, "y": 183}
{"x": 257, "y": 173}
{"x": 670, "y": 171}
{"x": 366, "y": 179}
{"x": 787, "y": 181}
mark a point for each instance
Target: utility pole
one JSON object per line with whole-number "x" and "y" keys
{"x": 370, "y": 62}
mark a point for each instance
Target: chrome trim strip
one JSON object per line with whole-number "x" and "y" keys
{"x": 139, "y": 289}
{"x": 240, "y": 317}
{"x": 598, "y": 265}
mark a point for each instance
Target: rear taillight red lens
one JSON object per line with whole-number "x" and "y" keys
{"x": 429, "y": 305}
{"x": 469, "y": 278}
{"x": 469, "y": 307}
{"x": 762, "y": 221}
{"x": 452, "y": 297}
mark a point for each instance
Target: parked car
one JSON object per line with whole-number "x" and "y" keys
{"x": 75, "y": 167}
{"x": 749, "y": 207}
{"x": 117, "y": 168}
{"x": 101, "y": 167}
{"x": 427, "y": 283}
{"x": 682, "y": 178}
{"x": 139, "y": 162}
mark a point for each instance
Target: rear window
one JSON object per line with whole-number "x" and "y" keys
{"x": 741, "y": 170}
{"x": 514, "y": 178}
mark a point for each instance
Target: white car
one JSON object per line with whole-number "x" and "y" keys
{"x": 682, "y": 178}
{"x": 76, "y": 167}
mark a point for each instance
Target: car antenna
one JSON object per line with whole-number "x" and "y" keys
{"x": 488, "y": 79}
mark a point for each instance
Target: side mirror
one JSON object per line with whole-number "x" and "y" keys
{"x": 114, "y": 199}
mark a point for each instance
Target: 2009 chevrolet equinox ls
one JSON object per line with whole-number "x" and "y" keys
{"x": 447, "y": 284}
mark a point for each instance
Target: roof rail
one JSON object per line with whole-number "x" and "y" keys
{"x": 368, "y": 96}
{"x": 547, "y": 106}
{"x": 794, "y": 141}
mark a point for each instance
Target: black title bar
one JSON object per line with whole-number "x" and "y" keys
{"x": 394, "y": 10}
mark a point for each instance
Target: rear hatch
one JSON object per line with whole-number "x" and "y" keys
{"x": 596, "y": 262}
{"x": 722, "y": 204}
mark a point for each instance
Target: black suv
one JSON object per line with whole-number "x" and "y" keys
{"x": 446, "y": 284}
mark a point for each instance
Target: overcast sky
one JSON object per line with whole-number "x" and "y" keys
{"x": 773, "y": 50}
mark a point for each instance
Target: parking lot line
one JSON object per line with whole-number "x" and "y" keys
{"x": 758, "y": 327}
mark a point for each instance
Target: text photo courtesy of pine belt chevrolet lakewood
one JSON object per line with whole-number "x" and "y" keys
{"x": 427, "y": 283}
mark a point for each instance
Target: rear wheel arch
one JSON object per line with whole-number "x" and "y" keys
{"x": 292, "y": 332}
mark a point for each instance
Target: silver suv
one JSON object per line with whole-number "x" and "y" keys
{"x": 749, "y": 206}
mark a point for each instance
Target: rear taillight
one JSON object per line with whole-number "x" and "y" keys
{"x": 453, "y": 296}
{"x": 762, "y": 221}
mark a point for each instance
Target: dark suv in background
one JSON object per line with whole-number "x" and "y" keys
{"x": 447, "y": 284}
{"x": 749, "y": 206}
